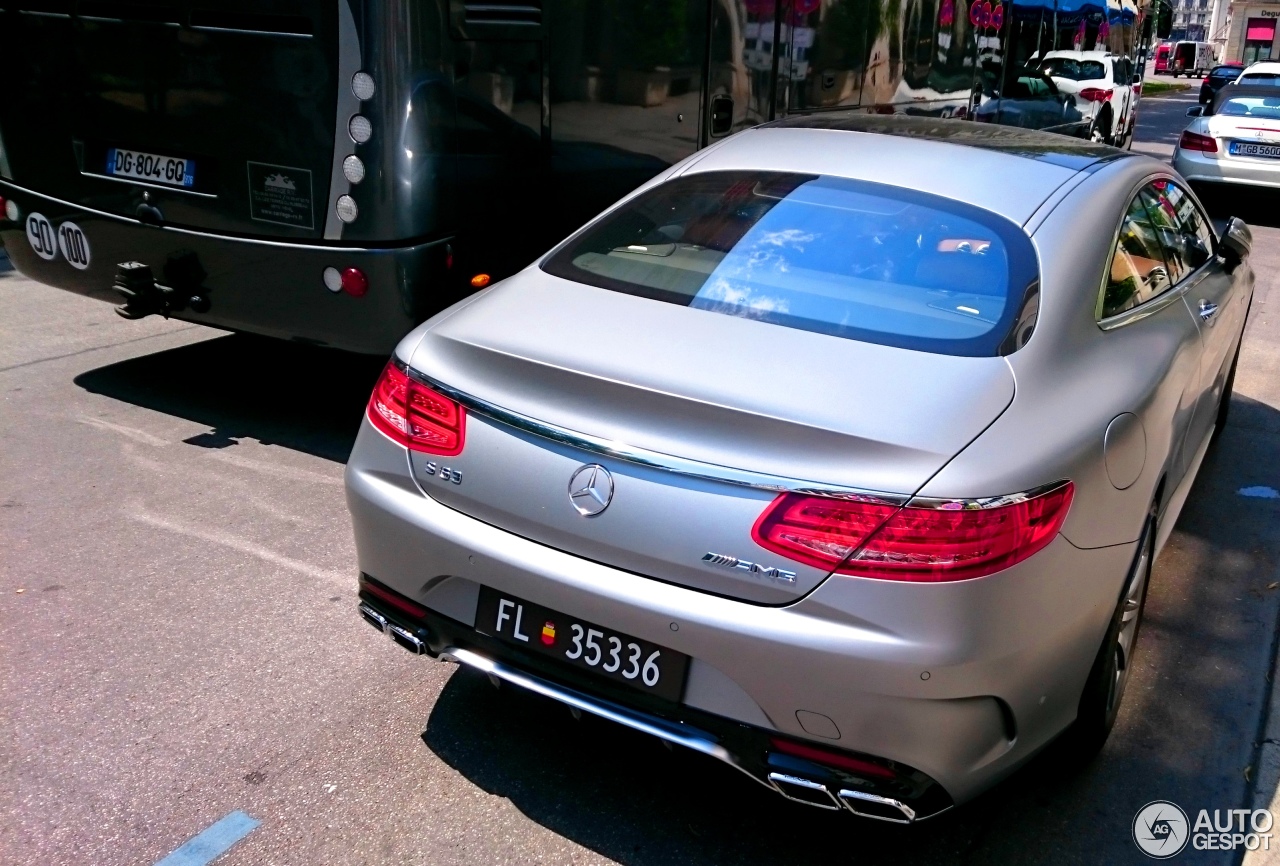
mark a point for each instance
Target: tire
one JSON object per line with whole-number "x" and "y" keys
{"x": 1104, "y": 689}
{"x": 1097, "y": 128}
{"x": 1224, "y": 401}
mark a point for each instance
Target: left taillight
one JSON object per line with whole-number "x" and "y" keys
{"x": 1195, "y": 141}
{"x": 415, "y": 416}
{"x": 1096, "y": 94}
{"x": 952, "y": 541}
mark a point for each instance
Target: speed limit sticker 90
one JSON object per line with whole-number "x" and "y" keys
{"x": 41, "y": 236}
{"x": 68, "y": 238}
{"x": 74, "y": 245}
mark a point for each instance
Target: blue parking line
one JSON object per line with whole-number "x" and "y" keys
{"x": 206, "y": 847}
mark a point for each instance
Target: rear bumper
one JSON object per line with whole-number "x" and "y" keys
{"x": 263, "y": 287}
{"x": 1249, "y": 172}
{"x": 961, "y": 682}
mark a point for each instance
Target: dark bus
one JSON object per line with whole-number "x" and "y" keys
{"x": 335, "y": 171}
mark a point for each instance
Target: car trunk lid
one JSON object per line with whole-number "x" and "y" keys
{"x": 734, "y": 409}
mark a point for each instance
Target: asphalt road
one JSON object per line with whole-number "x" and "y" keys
{"x": 178, "y": 640}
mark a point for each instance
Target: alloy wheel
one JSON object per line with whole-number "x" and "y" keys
{"x": 1130, "y": 621}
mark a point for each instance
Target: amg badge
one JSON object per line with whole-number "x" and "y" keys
{"x": 752, "y": 567}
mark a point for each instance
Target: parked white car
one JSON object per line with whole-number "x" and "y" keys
{"x": 1266, "y": 73}
{"x": 1235, "y": 139}
{"x": 1103, "y": 87}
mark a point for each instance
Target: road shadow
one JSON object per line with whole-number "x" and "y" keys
{"x": 1186, "y": 733}
{"x": 300, "y": 397}
{"x": 1254, "y": 205}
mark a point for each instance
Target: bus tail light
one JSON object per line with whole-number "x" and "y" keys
{"x": 415, "y": 416}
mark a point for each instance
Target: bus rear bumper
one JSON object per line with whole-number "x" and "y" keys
{"x": 264, "y": 287}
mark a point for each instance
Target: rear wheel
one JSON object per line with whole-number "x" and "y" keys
{"x": 1113, "y": 666}
{"x": 1099, "y": 128}
{"x": 1224, "y": 402}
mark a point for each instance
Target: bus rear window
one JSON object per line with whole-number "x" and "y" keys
{"x": 835, "y": 256}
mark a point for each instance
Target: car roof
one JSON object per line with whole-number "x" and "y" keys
{"x": 1264, "y": 66}
{"x": 1002, "y": 169}
{"x": 1234, "y": 90}
{"x": 1090, "y": 55}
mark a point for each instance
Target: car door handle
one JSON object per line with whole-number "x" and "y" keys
{"x": 1207, "y": 311}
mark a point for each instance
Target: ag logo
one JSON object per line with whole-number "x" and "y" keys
{"x": 1161, "y": 830}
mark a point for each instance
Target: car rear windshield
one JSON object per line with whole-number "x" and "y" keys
{"x": 1251, "y": 106}
{"x": 1260, "y": 78}
{"x": 859, "y": 260}
{"x": 1225, "y": 73}
{"x": 1072, "y": 69}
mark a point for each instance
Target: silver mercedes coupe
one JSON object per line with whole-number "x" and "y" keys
{"x": 839, "y": 452}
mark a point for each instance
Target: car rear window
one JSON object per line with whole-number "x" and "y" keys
{"x": 1251, "y": 106}
{"x": 1262, "y": 78}
{"x": 1073, "y": 70}
{"x": 1225, "y": 73}
{"x": 835, "y": 256}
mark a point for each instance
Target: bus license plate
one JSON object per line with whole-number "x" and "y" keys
{"x": 152, "y": 167}
{"x": 604, "y": 652}
{"x": 1249, "y": 148}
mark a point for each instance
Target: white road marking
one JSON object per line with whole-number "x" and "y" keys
{"x": 128, "y": 432}
{"x": 286, "y": 472}
{"x": 226, "y": 539}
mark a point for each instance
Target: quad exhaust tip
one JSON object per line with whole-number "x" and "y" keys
{"x": 402, "y": 636}
{"x": 800, "y": 790}
{"x": 860, "y": 803}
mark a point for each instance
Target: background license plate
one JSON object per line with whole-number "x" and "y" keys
{"x": 1244, "y": 148}
{"x": 621, "y": 658}
{"x": 151, "y": 167}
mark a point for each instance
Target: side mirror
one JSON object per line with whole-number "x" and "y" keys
{"x": 1235, "y": 243}
{"x": 1135, "y": 80}
{"x": 1195, "y": 111}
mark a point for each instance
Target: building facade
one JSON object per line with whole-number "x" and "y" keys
{"x": 1252, "y": 30}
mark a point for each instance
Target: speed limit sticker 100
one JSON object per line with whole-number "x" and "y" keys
{"x": 69, "y": 238}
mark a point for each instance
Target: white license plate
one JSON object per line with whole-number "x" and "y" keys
{"x": 152, "y": 167}
{"x": 1248, "y": 148}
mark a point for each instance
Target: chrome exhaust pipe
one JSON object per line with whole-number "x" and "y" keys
{"x": 876, "y": 807}
{"x": 402, "y": 636}
{"x": 374, "y": 618}
{"x": 804, "y": 791}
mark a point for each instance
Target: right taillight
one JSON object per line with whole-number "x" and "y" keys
{"x": 953, "y": 541}
{"x": 1196, "y": 141}
{"x": 416, "y": 416}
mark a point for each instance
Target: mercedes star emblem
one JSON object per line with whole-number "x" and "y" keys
{"x": 591, "y": 489}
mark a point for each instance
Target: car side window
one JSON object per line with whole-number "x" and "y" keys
{"x": 1138, "y": 268}
{"x": 1165, "y": 221}
{"x": 1195, "y": 232}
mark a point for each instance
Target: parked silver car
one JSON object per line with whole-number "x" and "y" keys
{"x": 1233, "y": 140}
{"x": 839, "y": 452}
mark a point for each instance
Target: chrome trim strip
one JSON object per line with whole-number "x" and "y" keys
{"x": 282, "y": 33}
{"x": 652, "y": 459}
{"x": 330, "y": 248}
{"x": 689, "y": 737}
{"x": 777, "y": 780}
{"x": 1142, "y": 311}
{"x": 939, "y": 504}
{"x": 134, "y": 182}
{"x": 908, "y": 814}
